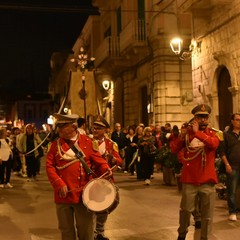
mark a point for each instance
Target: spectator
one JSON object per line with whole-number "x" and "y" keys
{"x": 5, "y": 158}
{"x": 120, "y": 138}
{"x": 28, "y": 146}
{"x": 130, "y": 149}
{"x": 229, "y": 151}
{"x": 138, "y": 135}
{"x": 147, "y": 151}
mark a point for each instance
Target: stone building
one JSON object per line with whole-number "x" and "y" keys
{"x": 215, "y": 62}
{"x": 144, "y": 80}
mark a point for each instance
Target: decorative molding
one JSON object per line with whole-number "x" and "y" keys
{"x": 233, "y": 90}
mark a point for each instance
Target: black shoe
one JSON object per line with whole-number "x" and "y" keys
{"x": 181, "y": 238}
{"x": 101, "y": 237}
{"x": 198, "y": 225}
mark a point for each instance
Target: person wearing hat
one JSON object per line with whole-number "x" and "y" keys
{"x": 68, "y": 176}
{"x": 109, "y": 150}
{"x": 196, "y": 148}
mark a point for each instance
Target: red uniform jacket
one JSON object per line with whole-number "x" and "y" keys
{"x": 110, "y": 148}
{"x": 69, "y": 172}
{"x": 198, "y": 163}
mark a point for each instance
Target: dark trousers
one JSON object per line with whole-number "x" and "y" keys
{"x": 147, "y": 165}
{"x": 6, "y": 166}
{"x": 31, "y": 163}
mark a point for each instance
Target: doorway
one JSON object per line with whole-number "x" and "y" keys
{"x": 224, "y": 98}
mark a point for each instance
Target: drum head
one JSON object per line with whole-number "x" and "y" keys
{"x": 98, "y": 195}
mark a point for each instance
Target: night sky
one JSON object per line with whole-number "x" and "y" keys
{"x": 28, "y": 37}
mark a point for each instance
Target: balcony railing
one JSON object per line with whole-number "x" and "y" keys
{"x": 134, "y": 33}
{"x": 108, "y": 48}
{"x": 186, "y": 5}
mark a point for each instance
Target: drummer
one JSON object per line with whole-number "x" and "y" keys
{"x": 68, "y": 178}
{"x": 109, "y": 150}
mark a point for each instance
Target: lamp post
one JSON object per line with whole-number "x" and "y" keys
{"x": 83, "y": 62}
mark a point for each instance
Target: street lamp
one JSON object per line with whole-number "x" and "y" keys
{"x": 177, "y": 47}
{"x": 83, "y": 62}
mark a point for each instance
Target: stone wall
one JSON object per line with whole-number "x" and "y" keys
{"x": 219, "y": 38}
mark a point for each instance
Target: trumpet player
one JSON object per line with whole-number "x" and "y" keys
{"x": 109, "y": 151}
{"x": 196, "y": 148}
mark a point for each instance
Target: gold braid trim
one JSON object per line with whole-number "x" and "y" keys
{"x": 204, "y": 158}
{"x": 70, "y": 159}
{"x": 199, "y": 150}
{"x": 68, "y": 164}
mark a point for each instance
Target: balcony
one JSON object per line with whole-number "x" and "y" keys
{"x": 133, "y": 41}
{"x": 108, "y": 53}
{"x": 200, "y": 8}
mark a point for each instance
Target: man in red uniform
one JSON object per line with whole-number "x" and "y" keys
{"x": 109, "y": 150}
{"x": 196, "y": 148}
{"x": 68, "y": 177}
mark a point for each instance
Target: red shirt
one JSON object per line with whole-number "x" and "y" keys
{"x": 110, "y": 148}
{"x": 70, "y": 173}
{"x": 198, "y": 162}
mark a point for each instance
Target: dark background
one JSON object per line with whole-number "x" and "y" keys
{"x": 30, "y": 31}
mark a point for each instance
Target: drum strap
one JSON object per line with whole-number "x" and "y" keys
{"x": 79, "y": 155}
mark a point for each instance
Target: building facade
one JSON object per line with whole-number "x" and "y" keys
{"x": 147, "y": 82}
{"x": 215, "y": 62}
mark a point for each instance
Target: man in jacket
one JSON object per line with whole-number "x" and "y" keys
{"x": 196, "y": 148}
{"x": 230, "y": 153}
{"x": 120, "y": 138}
{"x": 109, "y": 150}
{"x": 68, "y": 177}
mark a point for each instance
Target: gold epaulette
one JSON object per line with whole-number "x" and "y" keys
{"x": 95, "y": 145}
{"x": 115, "y": 146}
{"x": 107, "y": 136}
{"x": 49, "y": 146}
{"x": 219, "y": 133}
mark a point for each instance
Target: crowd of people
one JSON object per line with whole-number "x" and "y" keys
{"x": 78, "y": 156}
{"x": 21, "y": 150}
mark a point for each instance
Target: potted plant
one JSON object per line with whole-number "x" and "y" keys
{"x": 169, "y": 163}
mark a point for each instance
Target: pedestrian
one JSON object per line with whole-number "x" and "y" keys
{"x": 28, "y": 143}
{"x": 109, "y": 150}
{"x": 147, "y": 149}
{"x": 129, "y": 150}
{"x": 69, "y": 175}
{"x": 229, "y": 152}
{"x": 5, "y": 159}
{"x": 23, "y": 171}
{"x": 119, "y": 137}
{"x": 137, "y": 136}
{"x": 196, "y": 148}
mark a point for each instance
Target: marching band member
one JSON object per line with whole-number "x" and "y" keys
{"x": 68, "y": 176}
{"x": 109, "y": 150}
{"x": 196, "y": 148}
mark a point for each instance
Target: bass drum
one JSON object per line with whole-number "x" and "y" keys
{"x": 100, "y": 196}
